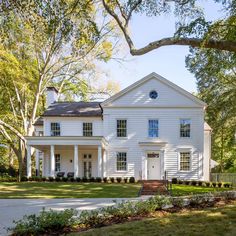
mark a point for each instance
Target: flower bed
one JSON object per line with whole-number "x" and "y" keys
{"x": 68, "y": 220}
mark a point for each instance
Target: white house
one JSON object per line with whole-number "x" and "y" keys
{"x": 150, "y": 130}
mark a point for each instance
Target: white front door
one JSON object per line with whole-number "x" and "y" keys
{"x": 87, "y": 165}
{"x": 153, "y": 166}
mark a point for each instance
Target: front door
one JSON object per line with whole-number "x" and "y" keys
{"x": 153, "y": 166}
{"x": 87, "y": 165}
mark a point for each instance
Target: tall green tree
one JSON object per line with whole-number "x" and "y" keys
{"x": 44, "y": 43}
{"x": 192, "y": 29}
{"x": 216, "y": 81}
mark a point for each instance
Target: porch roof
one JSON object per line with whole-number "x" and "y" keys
{"x": 66, "y": 140}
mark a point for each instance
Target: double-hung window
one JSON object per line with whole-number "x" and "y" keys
{"x": 121, "y": 161}
{"x": 57, "y": 162}
{"x": 153, "y": 128}
{"x": 185, "y": 161}
{"x": 55, "y": 129}
{"x": 185, "y": 125}
{"x": 121, "y": 128}
{"x": 88, "y": 129}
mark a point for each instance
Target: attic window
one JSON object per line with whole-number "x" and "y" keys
{"x": 153, "y": 94}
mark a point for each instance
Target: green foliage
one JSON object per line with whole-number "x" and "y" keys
{"x": 45, "y": 222}
{"x": 131, "y": 180}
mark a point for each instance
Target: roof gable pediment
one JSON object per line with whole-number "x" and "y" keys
{"x": 138, "y": 94}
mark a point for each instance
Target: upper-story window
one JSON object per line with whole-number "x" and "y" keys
{"x": 87, "y": 129}
{"x": 152, "y": 128}
{"x": 121, "y": 128}
{"x": 185, "y": 128}
{"x": 55, "y": 129}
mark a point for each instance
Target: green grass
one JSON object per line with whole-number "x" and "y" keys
{"x": 181, "y": 190}
{"x": 68, "y": 190}
{"x": 210, "y": 222}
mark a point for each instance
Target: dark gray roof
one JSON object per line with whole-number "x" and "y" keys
{"x": 74, "y": 109}
{"x": 39, "y": 121}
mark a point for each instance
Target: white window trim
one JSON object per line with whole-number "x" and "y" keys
{"x": 126, "y": 137}
{"x": 191, "y": 156}
{"x": 190, "y": 137}
{"x": 122, "y": 171}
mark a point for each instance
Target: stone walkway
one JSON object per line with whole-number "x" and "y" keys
{"x": 15, "y": 209}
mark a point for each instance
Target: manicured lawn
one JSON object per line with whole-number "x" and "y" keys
{"x": 181, "y": 190}
{"x": 210, "y": 222}
{"x": 68, "y": 190}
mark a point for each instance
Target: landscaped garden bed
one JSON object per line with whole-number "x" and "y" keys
{"x": 68, "y": 220}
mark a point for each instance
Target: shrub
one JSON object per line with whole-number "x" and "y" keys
{"x": 92, "y": 179}
{"x": 118, "y": 179}
{"x": 30, "y": 179}
{"x": 35, "y": 178}
{"x": 207, "y": 184}
{"x": 51, "y": 179}
{"x": 201, "y": 200}
{"x": 200, "y": 183}
{"x": 71, "y": 179}
{"x": 193, "y": 182}
{"x": 219, "y": 185}
{"x": 112, "y": 179}
{"x": 105, "y": 179}
{"x": 174, "y": 181}
{"x": 131, "y": 180}
{"x": 44, "y": 178}
{"x": 85, "y": 179}
{"x": 98, "y": 179}
{"x": 213, "y": 184}
{"x": 5, "y": 177}
{"x": 180, "y": 181}
{"x": 78, "y": 179}
{"x": 45, "y": 222}
{"x": 126, "y": 180}
{"x": 58, "y": 179}
{"x": 186, "y": 182}
{"x": 177, "y": 202}
{"x": 227, "y": 184}
{"x": 64, "y": 179}
{"x": 24, "y": 178}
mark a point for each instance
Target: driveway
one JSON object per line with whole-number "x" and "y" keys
{"x": 15, "y": 209}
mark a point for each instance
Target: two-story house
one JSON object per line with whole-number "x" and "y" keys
{"x": 147, "y": 130}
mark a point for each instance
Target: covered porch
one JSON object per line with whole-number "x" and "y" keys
{"x": 82, "y": 156}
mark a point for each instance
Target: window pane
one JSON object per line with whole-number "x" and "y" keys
{"x": 121, "y": 127}
{"x": 55, "y": 129}
{"x": 185, "y": 161}
{"x": 121, "y": 161}
{"x": 57, "y": 162}
{"x": 185, "y": 127}
{"x": 87, "y": 129}
{"x": 153, "y": 128}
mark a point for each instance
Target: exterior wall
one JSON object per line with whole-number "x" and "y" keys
{"x": 73, "y": 126}
{"x": 207, "y": 155}
{"x": 137, "y": 131}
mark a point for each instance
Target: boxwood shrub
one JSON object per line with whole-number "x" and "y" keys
{"x": 118, "y": 179}
{"x": 131, "y": 180}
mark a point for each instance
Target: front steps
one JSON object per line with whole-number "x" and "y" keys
{"x": 153, "y": 187}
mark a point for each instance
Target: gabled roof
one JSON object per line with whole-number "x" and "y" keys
{"x": 39, "y": 121}
{"x": 162, "y": 80}
{"x": 74, "y": 109}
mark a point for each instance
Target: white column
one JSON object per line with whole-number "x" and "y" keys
{"x": 76, "y": 162}
{"x": 29, "y": 174}
{"x": 37, "y": 165}
{"x": 99, "y": 161}
{"x": 104, "y": 170}
{"x": 52, "y": 171}
{"x": 43, "y": 164}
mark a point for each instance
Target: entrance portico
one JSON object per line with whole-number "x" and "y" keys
{"x": 71, "y": 151}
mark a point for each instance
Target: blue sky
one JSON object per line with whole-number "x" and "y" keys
{"x": 168, "y": 61}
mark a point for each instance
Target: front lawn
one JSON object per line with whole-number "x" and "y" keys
{"x": 68, "y": 190}
{"x": 210, "y": 222}
{"x": 182, "y": 190}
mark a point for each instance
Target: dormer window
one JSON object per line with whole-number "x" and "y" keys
{"x": 55, "y": 129}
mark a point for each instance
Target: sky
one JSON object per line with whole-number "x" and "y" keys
{"x": 168, "y": 61}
